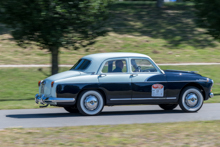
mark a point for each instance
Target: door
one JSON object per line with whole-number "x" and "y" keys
{"x": 148, "y": 82}
{"x": 115, "y": 80}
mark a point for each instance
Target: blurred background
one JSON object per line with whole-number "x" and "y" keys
{"x": 60, "y": 32}
{"x": 40, "y": 32}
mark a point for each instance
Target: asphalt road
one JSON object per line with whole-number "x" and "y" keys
{"x": 57, "y": 117}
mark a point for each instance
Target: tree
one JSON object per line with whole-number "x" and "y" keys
{"x": 160, "y": 3}
{"x": 208, "y": 13}
{"x": 52, "y": 24}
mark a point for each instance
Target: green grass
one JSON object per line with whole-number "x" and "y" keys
{"x": 168, "y": 35}
{"x": 19, "y": 85}
{"x": 201, "y": 133}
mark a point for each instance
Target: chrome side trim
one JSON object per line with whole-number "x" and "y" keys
{"x": 177, "y": 81}
{"x": 154, "y": 81}
{"x": 171, "y": 98}
{"x": 120, "y": 99}
{"x": 149, "y": 98}
{"x": 125, "y": 99}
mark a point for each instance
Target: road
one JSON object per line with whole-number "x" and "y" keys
{"x": 58, "y": 117}
{"x": 165, "y": 64}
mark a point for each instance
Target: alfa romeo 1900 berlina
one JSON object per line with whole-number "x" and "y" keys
{"x": 120, "y": 79}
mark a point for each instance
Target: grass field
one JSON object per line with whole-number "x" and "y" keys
{"x": 168, "y": 35}
{"x": 19, "y": 85}
{"x": 184, "y": 134}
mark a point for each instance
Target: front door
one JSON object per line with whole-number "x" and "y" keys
{"x": 148, "y": 83}
{"x": 115, "y": 81}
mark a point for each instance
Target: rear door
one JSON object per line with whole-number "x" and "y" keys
{"x": 148, "y": 82}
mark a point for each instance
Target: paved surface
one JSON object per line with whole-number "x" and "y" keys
{"x": 57, "y": 117}
{"x": 167, "y": 64}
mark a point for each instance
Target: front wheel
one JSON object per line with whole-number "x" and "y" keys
{"x": 191, "y": 99}
{"x": 168, "y": 106}
{"x": 90, "y": 102}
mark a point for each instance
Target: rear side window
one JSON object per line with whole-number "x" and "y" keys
{"x": 82, "y": 64}
{"x": 118, "y": 66}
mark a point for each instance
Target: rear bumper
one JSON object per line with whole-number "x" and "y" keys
{"x": 51, "y": 100}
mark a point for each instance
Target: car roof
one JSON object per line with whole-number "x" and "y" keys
{"x": 103, "y": 56}
{"x": 97, "y": 59}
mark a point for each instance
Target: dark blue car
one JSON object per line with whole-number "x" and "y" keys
{"x": 120, "y": 79}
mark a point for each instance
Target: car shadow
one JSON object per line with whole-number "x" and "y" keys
{"x": 105, "y": 113}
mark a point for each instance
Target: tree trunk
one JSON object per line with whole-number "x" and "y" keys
{"x": 160, "y": 3}
{"x": 54, "y": 60}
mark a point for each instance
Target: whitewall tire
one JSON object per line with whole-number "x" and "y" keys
{"x": 191, "y": 99}
{"x": 90, "y": 102}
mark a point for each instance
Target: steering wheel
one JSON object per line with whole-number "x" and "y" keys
{"x": 150, "y": 70}
{"x": 139, "y": 68}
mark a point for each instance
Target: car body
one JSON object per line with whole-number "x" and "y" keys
{"x": 122, "y": 79}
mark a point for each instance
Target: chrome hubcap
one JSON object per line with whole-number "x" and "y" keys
{"x": 91, "y": 102}
{"x": 191, "y": 99}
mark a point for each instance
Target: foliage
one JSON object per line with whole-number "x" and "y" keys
{"x": 167, "y": 35}
{"x": 208, "y": 16}
{"x": 53, "y": 24}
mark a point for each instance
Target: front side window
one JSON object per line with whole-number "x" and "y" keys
{"x": 115, "y": 66}
{"x": 82, "y": 64}
{"x": 142, "y": 65}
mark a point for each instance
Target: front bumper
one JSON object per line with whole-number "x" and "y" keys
{"x": 51, "y": 100}
{"x": 211, "y": 95}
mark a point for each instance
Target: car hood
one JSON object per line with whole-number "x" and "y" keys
{"x": 180, "y": 71}
{"x": 63, "y": 75}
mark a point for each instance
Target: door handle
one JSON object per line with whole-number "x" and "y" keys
{"x": 134, "y": 75}
{"x": 102, "y": 75}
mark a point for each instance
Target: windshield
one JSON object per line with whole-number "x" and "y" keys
{"x": 82, "y": 64}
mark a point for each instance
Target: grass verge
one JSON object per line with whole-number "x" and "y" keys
{"x": 19, "y": 85}
{"x": 202, "y": 133}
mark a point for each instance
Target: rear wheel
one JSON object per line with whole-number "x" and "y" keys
{"x": 90, "y": 102}
{"x": 191, "y": 99}
{"x": 72, "y": 109}
{"x": 168, "y": 106}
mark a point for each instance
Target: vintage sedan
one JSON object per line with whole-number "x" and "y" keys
{"x": 108, "y": 79}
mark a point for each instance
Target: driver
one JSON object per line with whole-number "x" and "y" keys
{"x": 119, "y": 66}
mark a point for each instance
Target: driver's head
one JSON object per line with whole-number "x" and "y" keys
{"x": 119, "y": 64}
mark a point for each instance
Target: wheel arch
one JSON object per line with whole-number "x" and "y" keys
{"x": 194, "y": 85}
{"x": 95, "y": 89}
